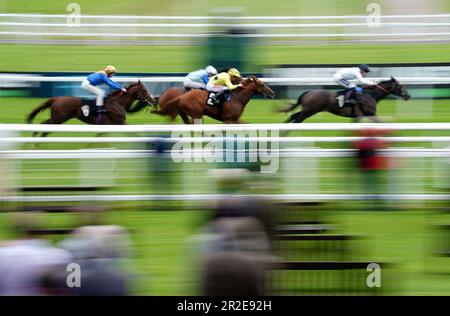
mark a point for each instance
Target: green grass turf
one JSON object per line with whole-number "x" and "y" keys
{"x": 162, "y": 239}
{"x": 185, "y": 58}
{"x": 194, "y": 7}
{"x": 15, "y": 110}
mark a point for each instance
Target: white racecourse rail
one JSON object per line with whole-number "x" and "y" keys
{"x": 129, "y": 29}
{"x": 224, "y": 127}
{"x": 11, "y": 132}
{"x": 7, "y": 78}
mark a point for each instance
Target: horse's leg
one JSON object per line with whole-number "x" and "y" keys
{"x": 185, "y": 118}
{"x": 359, "y": 115}
{"x": 300, "y": 116}
{"x": 41, "y": 134}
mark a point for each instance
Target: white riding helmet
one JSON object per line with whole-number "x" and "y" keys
{"x": 211, "y": 70}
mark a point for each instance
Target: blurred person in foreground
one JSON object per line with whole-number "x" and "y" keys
{"x": 238, "y": 235}
{"x": 199, "y": 78}
{"x": 372, "y": 164}
{"x": 92, "y": 82}
{"x": 102, "y": 252}
{"x": 26, "y": 261}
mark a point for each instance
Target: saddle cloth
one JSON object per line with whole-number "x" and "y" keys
{"x": 88, "y": 106}
{"x": 223, "y": 97}
{"x": 340, "y": 98}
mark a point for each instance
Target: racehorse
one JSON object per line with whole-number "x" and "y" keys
{"x": 168, "y": 95}
{"x": 118, "y": 104}
{"x": 193, "y": 103}
{"x": 174, "y": 92}
{"x": 315, "y": 101}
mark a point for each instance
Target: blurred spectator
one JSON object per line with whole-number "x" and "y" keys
{"x": 233, "y": 274}
{"x": 26, "y": 261}
{"x": 371, "y": 163}
{"x": 100, "y": 251}
{"x": 234, "y": 246}
{"x": 160, "y": 167}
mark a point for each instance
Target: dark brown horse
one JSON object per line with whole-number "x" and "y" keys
{"x": 193, "y": 103}
{"x": 118, "y": 104}
{"x": 315, "y": 101}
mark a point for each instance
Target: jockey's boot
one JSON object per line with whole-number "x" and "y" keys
{"x": 101, "y": 109}
{"x": 348, "y": 96}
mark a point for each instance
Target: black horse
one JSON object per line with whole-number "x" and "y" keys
{"x": 315, "y": 101}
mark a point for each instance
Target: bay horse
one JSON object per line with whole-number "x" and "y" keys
{"x": 117, "y": 104}
{"x": 315, "y": 101}
{"x": 175, "y": 92}
{"x": 193, "y": 103}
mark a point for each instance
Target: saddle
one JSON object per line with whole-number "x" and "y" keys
{"x": 342, "y": 101}
{"x": 89, "y": 106}
{"x": 218, "y": 98}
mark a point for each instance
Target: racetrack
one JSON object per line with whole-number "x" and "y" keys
{"x": 162, "y": 233}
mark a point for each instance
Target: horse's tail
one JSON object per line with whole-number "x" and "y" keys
{"x": 40, "y": 108}
{"x": 293, "y": 105}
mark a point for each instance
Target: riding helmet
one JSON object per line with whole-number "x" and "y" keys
{"x": 364, "y": 68}
{"x": 110, "y": 69}
{"x": 211, "y": 70}
{"x": 234, "y": 72}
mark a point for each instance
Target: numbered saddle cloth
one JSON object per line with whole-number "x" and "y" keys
{"x": 218, "y": 98}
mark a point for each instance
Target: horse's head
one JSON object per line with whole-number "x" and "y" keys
{"x": 141, "y": 93}
{"x": 397, "y": 89}
{"x": 260, "y": 87}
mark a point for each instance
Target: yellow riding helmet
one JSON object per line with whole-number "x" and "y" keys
{"x": 234, "y": 72}
{"x": 110, "y": 69}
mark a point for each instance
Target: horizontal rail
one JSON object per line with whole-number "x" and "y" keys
{"x": 206, "y": 35}
{"x": 214, "y": 197}
{"x": 168, "y": 28}
{"x": 206, "y": 25}
{"x": 174, "y": 17}
{"x": 176, "y": 128}
{"x": 195, "y": 155}
{"x": 320, "y": 139}
{"x": 178, "y": 79}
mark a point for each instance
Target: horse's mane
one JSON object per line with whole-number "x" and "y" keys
{"x": 119, "y": 92}
{"x": 387, "y": 81}
{"x": 381, "y": 82}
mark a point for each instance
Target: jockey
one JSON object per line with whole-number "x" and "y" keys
{"x": 199, "y": 78}
{"x": 221, "y": 83}
{"x": 342, "y": 76}
{"x": 93, "y": 80}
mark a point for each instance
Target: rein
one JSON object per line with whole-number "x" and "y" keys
{"x": 383, "y": 89}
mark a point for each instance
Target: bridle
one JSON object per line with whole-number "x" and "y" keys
{"x": 383, "y": 89}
